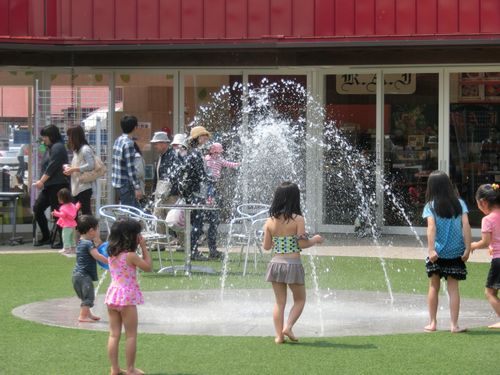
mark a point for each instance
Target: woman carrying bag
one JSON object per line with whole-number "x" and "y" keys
{"x": 83, "y": 161}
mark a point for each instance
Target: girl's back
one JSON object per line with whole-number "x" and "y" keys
{"x": 281, "y": 227}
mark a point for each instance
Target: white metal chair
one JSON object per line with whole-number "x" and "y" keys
{"x": 246, "y": 230}
{"x": 150, "y": 226}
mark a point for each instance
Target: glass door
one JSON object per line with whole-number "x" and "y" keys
{"x": 350, "y": 107}
{"x": 411, "y": 106}
{"x": 474, "y": 134}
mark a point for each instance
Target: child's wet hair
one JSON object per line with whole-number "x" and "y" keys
{"x": 489, "y": 193}
{"x": 86, "y": 223}
{"x": 123, "y": 236}
{"x": 286, "y": 201}
{"x": 64, "y": 195}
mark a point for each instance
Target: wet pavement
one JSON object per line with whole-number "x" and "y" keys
{"x": 248, "y": 312}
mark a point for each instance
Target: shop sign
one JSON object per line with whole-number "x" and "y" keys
{"x": 362, "y": 84}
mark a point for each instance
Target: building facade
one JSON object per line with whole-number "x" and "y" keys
{"x": 415, "y": 84}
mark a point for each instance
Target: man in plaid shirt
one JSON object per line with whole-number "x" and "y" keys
{"x": 123, "y": 176}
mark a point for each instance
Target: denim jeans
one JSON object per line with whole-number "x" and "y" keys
{"x": 126, "y": 193}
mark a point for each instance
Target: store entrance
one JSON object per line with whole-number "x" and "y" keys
{"x": 350, "y": 105}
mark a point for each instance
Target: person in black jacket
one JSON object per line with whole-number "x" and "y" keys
{"x": 190, "y": 184}
{"x": 52, "y": 179}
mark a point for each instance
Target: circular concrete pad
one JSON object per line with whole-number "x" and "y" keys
{"x": 248, "y": 312}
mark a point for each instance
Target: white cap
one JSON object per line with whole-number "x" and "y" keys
{"x": 160, "y": 137}
{"x": 180, "y": 139}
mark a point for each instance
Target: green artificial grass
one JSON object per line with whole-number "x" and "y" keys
{"x": 32, "y": 348}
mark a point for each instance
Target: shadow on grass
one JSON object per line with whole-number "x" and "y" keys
{"x": 484, "y": 332}
{"x": 326, "y": 344}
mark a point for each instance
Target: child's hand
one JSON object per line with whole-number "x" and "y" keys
{"x": 433, "y": 256}
{"x": 317, "y": 239}
{"x": 465, "y": 257}
{"x": 490, "y": 251}
{"x": 142, "y": 242}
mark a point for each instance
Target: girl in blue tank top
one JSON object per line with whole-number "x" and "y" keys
{"x": 285, "y": 234}
{"x": 449, "y": 239}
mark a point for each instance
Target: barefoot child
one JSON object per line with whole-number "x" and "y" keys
{"x": 448, "y": 237}
{"x": 123, "y": 294}
{"x": 85, "y": 271}
{"x": 67, "y": 220}
{"x": 285, "y": 233}
{"x": 488, "y": 201}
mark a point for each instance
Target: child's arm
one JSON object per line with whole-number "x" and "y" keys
{"x": 78, "y": 205}
{"x": 305, "y": 242}
{"x": 267, "y": 244}
{"x": 431, "y": 238}
{"x": 483, "y": 243}
{"x": 57, "y": 213}
{"x": 98, "y": 256}
{"x": 145, "y": 263}
{"x": 467, "y": 236}
{"x": 230, "y": 164}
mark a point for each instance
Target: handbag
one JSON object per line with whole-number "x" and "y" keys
{"x": 98, "y": 171}
{"x": 175, "y": 217}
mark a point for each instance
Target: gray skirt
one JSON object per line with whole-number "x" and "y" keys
{"x": 285, "y": 270}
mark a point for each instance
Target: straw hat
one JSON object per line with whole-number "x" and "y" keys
{"x": 180, "y": 139}
{"x": 160, "y": 137}
{"x": 198, "y": 131}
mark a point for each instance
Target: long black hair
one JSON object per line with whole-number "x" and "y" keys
{"x": 443, "y": 195}
{"x": 286, "y": 201}
{"x": 123, "y": 236}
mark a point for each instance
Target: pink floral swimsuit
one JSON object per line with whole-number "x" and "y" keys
{"x": 124, "y": 289}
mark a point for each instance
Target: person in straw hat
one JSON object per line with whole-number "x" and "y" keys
{"x": 190, "y": 184}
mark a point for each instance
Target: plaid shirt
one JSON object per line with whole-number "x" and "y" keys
{"x": 124, "y": 163}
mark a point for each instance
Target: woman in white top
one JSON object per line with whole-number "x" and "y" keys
{"x": 83, "y": 161}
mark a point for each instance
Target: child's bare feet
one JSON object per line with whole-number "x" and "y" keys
{"x": 135, "y": 371}
{"x": 94, "y": 317}
{"x": 458, "y": 330}
{"x": 279, "y": 340}
{"x": 87, "y": 319}
{"x": 430, "y": 328}
{"x": 288, "y": 332}
{"x": 496, "y": 325}
{"x": 119, "y": 372}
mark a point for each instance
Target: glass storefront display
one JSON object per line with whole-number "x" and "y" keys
{"x": 16, "y": 124}
{"x": 474, "y": 134}
{"x": 410, "y": 143}
{"x": 351, "y": 105}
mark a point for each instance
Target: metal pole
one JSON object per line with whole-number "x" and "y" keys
{"x": 187, "y": 243}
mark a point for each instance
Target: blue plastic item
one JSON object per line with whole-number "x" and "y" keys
{"x": 103, "y": 250}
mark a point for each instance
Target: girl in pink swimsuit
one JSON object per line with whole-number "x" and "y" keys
{"x": 123, "y": 294}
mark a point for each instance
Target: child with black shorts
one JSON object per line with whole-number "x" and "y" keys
{"x": 448, "y": 237}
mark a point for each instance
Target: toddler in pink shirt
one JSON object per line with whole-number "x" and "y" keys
{"x": 67, "y": 220}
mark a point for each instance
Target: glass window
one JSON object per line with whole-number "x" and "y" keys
{"x": 410, "y": 143}
{"x": 16, "y": 124}
{"x": 474, "y": 134}
{"x": 351, "y": 106}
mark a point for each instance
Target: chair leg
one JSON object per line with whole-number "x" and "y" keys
{"x": 246, "y": 257}
{"x": 159, "y": 254}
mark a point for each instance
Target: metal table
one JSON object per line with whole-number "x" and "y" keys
{"x": 12, "y": 197}
{"x": 187, "y": 267}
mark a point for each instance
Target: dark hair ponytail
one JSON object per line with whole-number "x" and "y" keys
{"x": 490, "y": 193}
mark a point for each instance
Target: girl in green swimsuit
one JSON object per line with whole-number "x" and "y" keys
{"x": 285, "y": 234}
